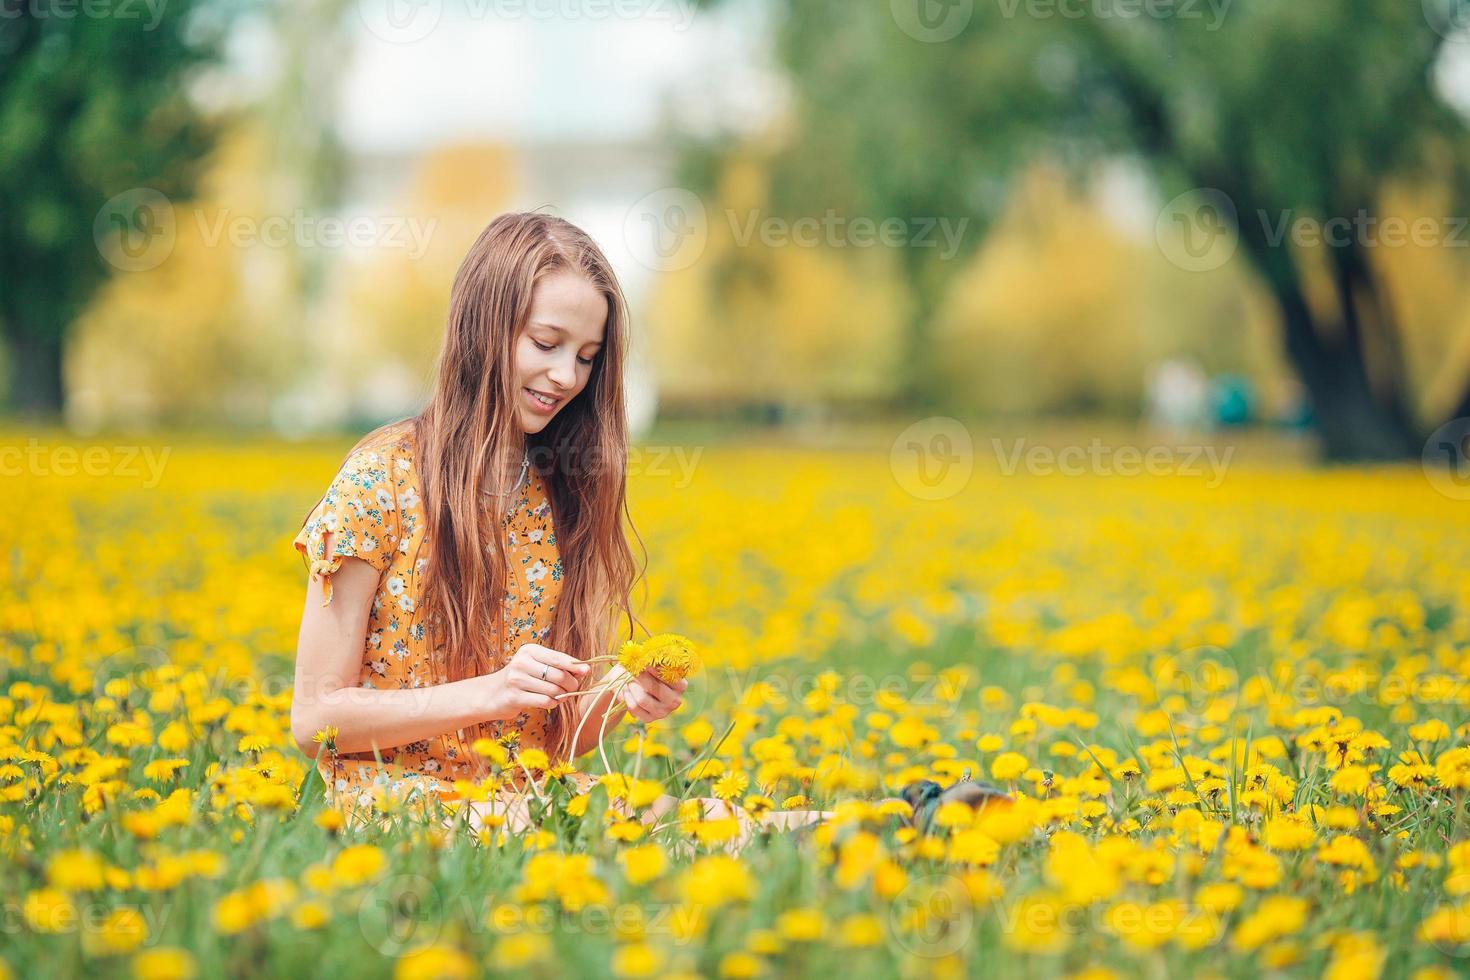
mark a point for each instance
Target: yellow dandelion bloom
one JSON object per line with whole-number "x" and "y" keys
{"x": 520, "y": 950}
{"x": 644, "y": 863}
{"x": 164, "y": 963}
{"x": 637, "y": 960}
{"x": 436, "y": 962}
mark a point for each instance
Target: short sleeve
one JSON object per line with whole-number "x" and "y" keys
{"x": 360, "y": 513}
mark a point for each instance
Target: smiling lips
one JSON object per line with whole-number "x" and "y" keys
{"x": 544, "y": 404}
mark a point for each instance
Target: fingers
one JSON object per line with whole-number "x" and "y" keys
{"x": 535, "y": 685}
{"x": 561, "y": 679}
{"x": 540, "y": 666}
{"x": 640, "y": 703}
{"x": 662, "y": 691}
{"x": 527, "y": 701}
{"x": 651, "y": 701}
{"x": 557, "y": 659}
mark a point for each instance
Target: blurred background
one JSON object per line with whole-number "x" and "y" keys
{"x": 1185, "y": 216}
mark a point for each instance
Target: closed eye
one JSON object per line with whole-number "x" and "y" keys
{"x": 552, "y": 347}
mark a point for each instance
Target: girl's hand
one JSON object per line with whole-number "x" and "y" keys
{"x": 649, "y": 699}
{"x": 532, "y": 679}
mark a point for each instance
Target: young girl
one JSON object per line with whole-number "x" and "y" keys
{"x": 465, "y": 563}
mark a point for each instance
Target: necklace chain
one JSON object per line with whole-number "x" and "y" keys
{"x": 525, "y": 465}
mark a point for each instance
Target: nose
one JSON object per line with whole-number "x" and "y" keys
{"x": 563, "y": 372}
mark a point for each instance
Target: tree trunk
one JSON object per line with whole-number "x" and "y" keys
{"x": 1356, "y": 420}
{"x": 915, "y": 389}
{"x": 1462, "y": 408}
{"x": 35, "y": 388}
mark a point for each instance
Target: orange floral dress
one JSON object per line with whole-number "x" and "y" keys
{"x": 374, "y": 511}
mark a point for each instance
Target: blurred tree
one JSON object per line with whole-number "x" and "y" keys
{"x": 305, "y": 167}
{"x": 790, "y": 329}
{"x": 93, "y": 104}
{"x": 397, "y": 299}
{"x": 1062, "y": 312}
{"x": 213, "y": 334}
{"x": 1302, "y": 110}
{"x": 225, "y": 321}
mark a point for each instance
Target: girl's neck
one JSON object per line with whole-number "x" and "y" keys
{"x": 513, "y": 472}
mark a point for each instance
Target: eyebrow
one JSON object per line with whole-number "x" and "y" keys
{"x": 552, "y": 326}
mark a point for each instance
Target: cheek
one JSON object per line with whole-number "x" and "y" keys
{"x": 584, "y": 376}
{"x": 525, "y": 362}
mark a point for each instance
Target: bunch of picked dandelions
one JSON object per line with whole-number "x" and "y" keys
{"x": 668, "y": 656}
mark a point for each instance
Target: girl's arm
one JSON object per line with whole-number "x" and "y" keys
{"x": 329, "y": 655}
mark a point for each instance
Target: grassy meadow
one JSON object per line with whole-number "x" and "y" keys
{"x": 1232, "y": 709}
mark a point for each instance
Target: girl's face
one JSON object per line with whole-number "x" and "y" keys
{"x": 553, "y": 354}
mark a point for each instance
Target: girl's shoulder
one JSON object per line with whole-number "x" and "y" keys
{"x": 390, "y": 450}
{"x": 369, "y": 510}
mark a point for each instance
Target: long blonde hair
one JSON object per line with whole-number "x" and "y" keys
{"x": 470, "y": 428}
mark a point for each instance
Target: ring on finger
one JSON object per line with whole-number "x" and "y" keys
{"x": 543, "y": 672}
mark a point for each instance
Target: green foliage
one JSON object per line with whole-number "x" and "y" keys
{"x": 93, "y": 103}
{"x": 1310, "y": 108}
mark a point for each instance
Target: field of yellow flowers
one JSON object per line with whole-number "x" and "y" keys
{"x": 1234, "y": 717}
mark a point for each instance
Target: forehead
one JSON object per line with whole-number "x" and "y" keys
{"x": 567, "y": 303}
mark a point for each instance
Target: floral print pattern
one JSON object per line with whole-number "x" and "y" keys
{"x": 373, "y": 511}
